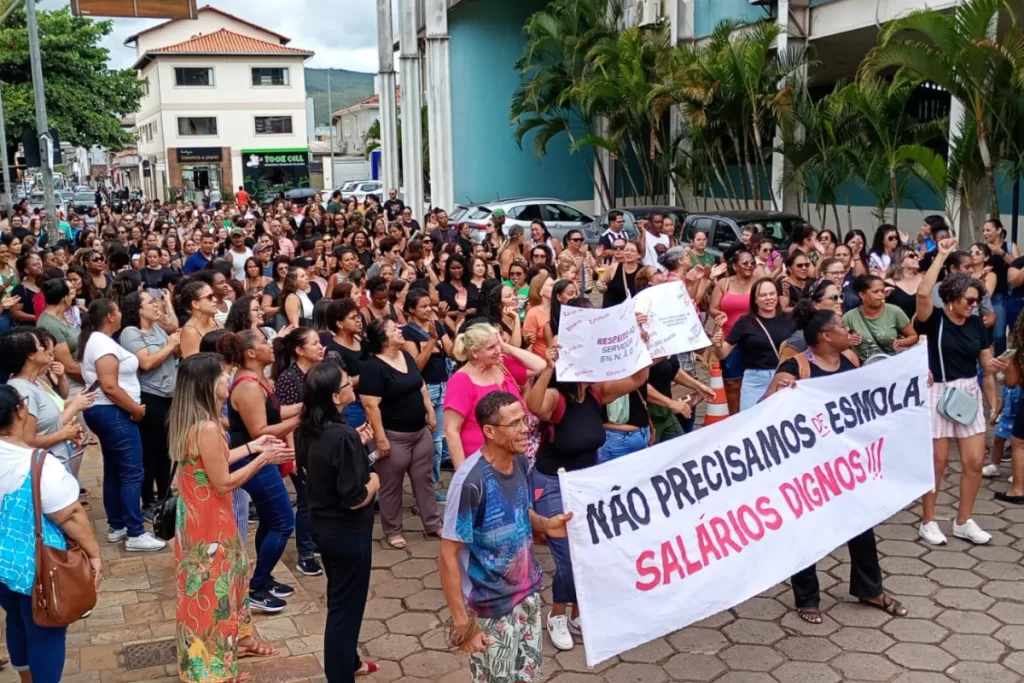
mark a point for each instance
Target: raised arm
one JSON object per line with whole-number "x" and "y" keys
{"x": 924, "y": 290}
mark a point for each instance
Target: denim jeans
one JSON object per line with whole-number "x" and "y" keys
{"x": 618, "y": 444}
{"x": 437, "y": 392}
{"x": 303, "y": 534}
{"x": 999, "y": 329}
{"x": 755, "y": 384}
{"x": 266, "y": 488}
{"x": 354, "y": 414}
{"x": 37, "y": 649}
{"x": 122, "y": 466}
{"x": 547, "y": 502}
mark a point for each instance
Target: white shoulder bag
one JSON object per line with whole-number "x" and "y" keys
{"x": 955, "y": 404}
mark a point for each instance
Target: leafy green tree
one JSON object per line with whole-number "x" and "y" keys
{"x": 85, "y": 99}
{"x": 959, "y": 51}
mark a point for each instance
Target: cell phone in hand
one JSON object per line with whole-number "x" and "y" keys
{"x": 94, "y": 386}
{"x": 1008, "y": 353}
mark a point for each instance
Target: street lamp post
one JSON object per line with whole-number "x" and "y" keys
{"x": 42, "y": 123}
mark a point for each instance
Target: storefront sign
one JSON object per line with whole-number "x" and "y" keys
{"x": 199, "y": 155}
{"x": 274, "y": 158}
{"x": 696, "y": 525}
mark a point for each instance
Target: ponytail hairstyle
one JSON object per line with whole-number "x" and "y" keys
{"x": 803, "y": 310}
{"x": 470, "y": 339}
{"x": 233, "y": 345}
{"x": 92, "y": 320}
{"x": 322, "y": 382}
{"x": 375, "y": 335}
{"x": 188, "y": 294}
{"x": 285, "y": 347}
{"x": 130, "y": 307}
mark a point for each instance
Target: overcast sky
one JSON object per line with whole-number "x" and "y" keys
{"x": 342, "y": 39}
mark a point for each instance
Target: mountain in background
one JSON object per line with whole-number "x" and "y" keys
{"x": 347, "y": 88}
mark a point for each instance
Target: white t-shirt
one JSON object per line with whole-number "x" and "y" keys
{"x": 101, "y": 345}
{"x": 650, "y": 251}
{"x": 58, "y": 488}
{"x": 238, "y": 262}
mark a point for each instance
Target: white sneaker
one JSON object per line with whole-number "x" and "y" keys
{"x": 575, "y": 626}
{"x": 970, "y": 531}
{"x": 115, "y": 535}
{"x": 558, "y": 631}
{"x": 931, "y": 533}
{"x": 146, "y": 543}
{"x": 990, "y": 471}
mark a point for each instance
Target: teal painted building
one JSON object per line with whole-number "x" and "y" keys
{"x": 486, "y": 41}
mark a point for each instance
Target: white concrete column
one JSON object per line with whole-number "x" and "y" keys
{"x": 439, "y": 105}
{"x": 781, "y": 199}
{"x": 957, "y": 218}
{"x": 386, "y": 82}
{"x": 412, "y": 104}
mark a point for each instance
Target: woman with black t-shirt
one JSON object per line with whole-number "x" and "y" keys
{"x": 828, "y": 342}
{"x": 429, "y": 342}
{"x": 957, "y": 342}
{"x": 401, "y": 412}
{"x": 574, "y": 433}
{"x": 346, "y": 325}
{"x": 759, "y": 336}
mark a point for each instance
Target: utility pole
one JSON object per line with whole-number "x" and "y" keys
{"x": 8, "y": 203}
{"x": 330, "y": 117}
{"x": 42, "y": 123}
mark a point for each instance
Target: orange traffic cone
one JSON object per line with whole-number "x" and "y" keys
{"x": 718, "y": 409}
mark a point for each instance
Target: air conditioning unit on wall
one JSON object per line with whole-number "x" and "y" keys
{"x": 648, "y": 12}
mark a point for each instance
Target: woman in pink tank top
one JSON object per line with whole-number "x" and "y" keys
{"x": 729, "y": 302}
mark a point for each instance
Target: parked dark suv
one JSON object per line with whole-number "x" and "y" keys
{"x": 725, "y": 228}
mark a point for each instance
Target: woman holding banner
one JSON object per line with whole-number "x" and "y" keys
{"x": 828, "y": 353}
{"x": 957, "y": 342}
{"x": 574, "y": 414}
{"x": 758, "y": 336}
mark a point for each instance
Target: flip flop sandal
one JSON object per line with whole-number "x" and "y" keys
{"x": 367, "y": 669}
{"x": 398, "y": 543}
{"x": 812, "y": 615}
{"x": 889, "y": 605}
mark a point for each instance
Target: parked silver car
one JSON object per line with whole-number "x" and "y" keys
{"x": 725, "y": 228}
{"x": 560, "y": 217}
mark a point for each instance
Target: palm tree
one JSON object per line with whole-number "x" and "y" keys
{"x": 958, "y": 51}
{"x": 885, "y": 129}
{"x": 546, "y": 103}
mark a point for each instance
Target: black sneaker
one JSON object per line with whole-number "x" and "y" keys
{"x": 279, "y": 590}
{"x": 264, "y": 601}
{"x": 253, "y": 517}
{"x": 310, "y": 567}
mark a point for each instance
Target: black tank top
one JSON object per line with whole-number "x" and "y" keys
{"x": 906, "y": 302}
{"x": 573, "y": 442}
{"x": 236, "y": 426}
{"x": 618, "y": 287}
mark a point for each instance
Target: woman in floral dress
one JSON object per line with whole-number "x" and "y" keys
{"x": 214, "y": 628}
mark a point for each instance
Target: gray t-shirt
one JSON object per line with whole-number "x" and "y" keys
{"x": 40, "y": 404}
{"x": 160, "y": 380}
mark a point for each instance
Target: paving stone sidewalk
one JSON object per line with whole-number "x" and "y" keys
{"x": 966, "y": 618}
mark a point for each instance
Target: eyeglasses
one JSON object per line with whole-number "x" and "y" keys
{"x": 618, "y": 247}
{"x": 915, "y": 255}
{"x": 98, "y": 259}
{"x": 575, "y": 239}
{"x": 745, "y": 264}
{"x": 971, "y": 300}
{"x": 801, "y": 265}
{"x": 515, "y": 424}
{"x": 891, "y": 238}
{"x": 346, "y": 385}
{"x": 835, "y": 273}
{"x": 205, "y": 296}
{"x": 834, "y": 297}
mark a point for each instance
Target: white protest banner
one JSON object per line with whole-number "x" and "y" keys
{"x": 673, "y": 325}
{"x": 681, "y": 531}
{"x": 599, "y": 344}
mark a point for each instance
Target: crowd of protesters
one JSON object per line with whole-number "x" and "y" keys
{"x": 245, "y": 355}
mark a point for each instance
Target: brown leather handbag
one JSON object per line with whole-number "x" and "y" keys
{"x": 64, "y": 590}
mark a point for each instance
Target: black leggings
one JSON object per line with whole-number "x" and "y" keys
{"x": 865, "y": 574}
{"x": 156, "y": 463}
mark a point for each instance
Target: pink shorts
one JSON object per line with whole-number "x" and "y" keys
{"x": 944, "y": 428}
